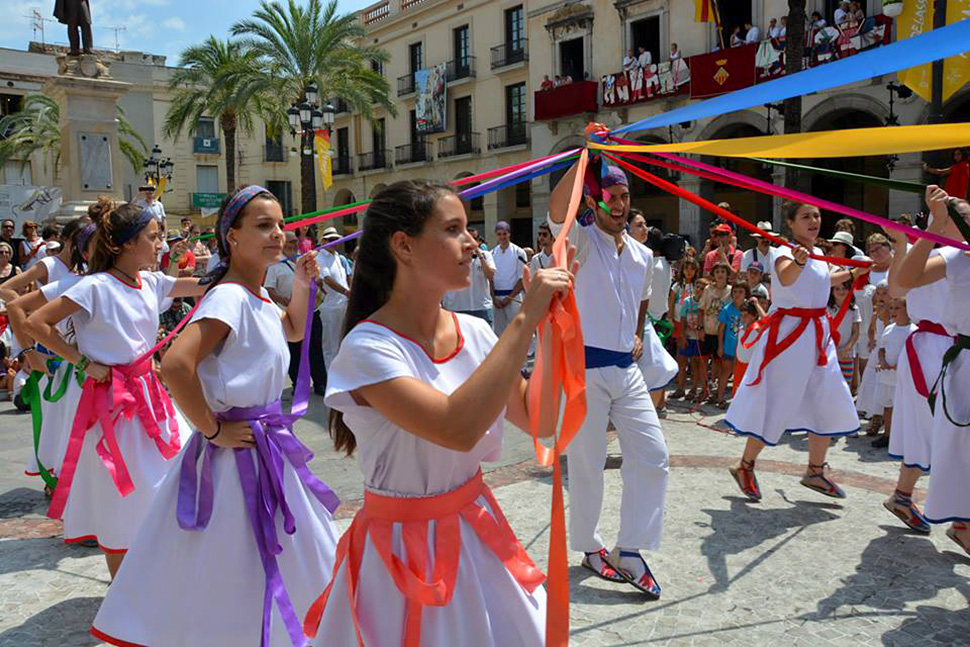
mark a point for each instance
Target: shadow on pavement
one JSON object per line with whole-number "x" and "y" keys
{"x": 931, "y": 625}
{"x": 19, "y": 555}
{"x": 65, "y": 623}
{"x": 22, "y": 501}
{"x": 746, "y": 526}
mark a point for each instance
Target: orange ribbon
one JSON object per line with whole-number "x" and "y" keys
{"x": 105, "y": 402}
{"x": 377, "y": 518}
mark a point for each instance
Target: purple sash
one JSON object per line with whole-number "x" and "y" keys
{"x": 262, "y": 484}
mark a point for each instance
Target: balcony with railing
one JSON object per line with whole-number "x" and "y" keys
{"x": 509, "y": 54}
{"x": 274, "y": 151}
{"x": 373, "y": 161}
{"x": 340, "y": 106}
{"x": 413, "y": 153}
{"x": 459, "y": 144}
{"x": 508, "y": 135}
{"x": 375, "y": 13}
{"x": 405, "y": 84}
{"x": 342, "y": 165}
{"x": 205, "y": 145}
{"x": 460, "y": 68}
{"x": 566, "y": 100}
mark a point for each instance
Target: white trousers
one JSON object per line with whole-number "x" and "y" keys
{"x": 620, "y": 395}
{"x": 333, "y": 321}
{"x": 502, "y": 317}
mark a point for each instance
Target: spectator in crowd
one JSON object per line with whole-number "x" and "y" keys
{"x": 728, "y": 333}
{"x": 842, "y": 14}
{"x": 200, "y": 250}
{"x": 681, "y": 291}
{"x": 52, "y": 240}
{"x": 674, "y": 52}
{"x": 817, "y": 22}
{"x": 529, "y": 253}
{"x": 304, "y": 240}
{"x": 333, "y": 273}
{"x": 783, "y": 29}
{"x": 546, "y": 84}
{"x": 752, "y": 33}
{"x": 629, "y": 61}
{"x": 31, "y": 247}
{"x": 567, "y": 79}
{"x": 762, "y": 253}
{"x": 147, "y": 200}
{"x": 693, "y": 317}
{"x": 558, "y": 82}
{"x": 644, "y": 58}
{"x": 722, "y": 251}
{"x": 774, "y": 31}
{"x": 7, "y": 230}
{"x": 736, "y": 39}
{"x": 842, "y": 245}
{"x": 185, "y": 224}
{"x": 279, "y": 284}
{"x": 179, "y": 260}
{"x": 171, "y": 317}
{"x": 755, "y": 276}
{"x": 507, "y": 283}
{"x": 849, "y": 329}
{"x": 476, "y": 299}
{"x": 716, "y": 296}
{"x": 857, "y": 15}
{"x": 7, "y": 268}
{"x": 957, "y": 174}
{"x": 544, "y": 240}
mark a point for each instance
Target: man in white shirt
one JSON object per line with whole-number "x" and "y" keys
{"x": 645, "y": 58}
{"x": 147, "y": 201}
{"x": 507, "y": 282}
{"x": 762, "y": 252}
{"x": 476, "y": 299}
{"x": 612, "y": 290}
{"x": 774, "y": 31}
{"x": 842, "y": 14}
{"x": 334, "y": 306}
{"x": 753, "y": 34}
{"x": 279, "y": 284}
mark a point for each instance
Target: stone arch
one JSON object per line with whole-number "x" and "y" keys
{"x": 344, "y": 196}
{"x": 722, "y": 126}
{"x": 819, "y": 117}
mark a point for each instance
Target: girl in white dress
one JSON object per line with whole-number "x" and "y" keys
{"x": 58, "y": 400}
{"x": 47, "y": 269}
{"x": 126, "y": 430}
{"x": 422, "y": 395}
{"x": 893, "y": 341}
{"x": 947, "y": 500}
{"x": 793, "y": 382}
{"x": 919, "y": 364}
{"x": 219, "y": 567}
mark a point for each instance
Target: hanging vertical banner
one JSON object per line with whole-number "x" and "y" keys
{"x": 722, "y": 71}
{"x": 956, "y": 69}
{"x": 916, "y": 19}
{"x": 430, "y": 103}
{"x": 321, "y": 141}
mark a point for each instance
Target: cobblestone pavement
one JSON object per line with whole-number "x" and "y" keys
{"x": 796, "y": 569}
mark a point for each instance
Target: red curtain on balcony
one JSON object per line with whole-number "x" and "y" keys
{"x": 570, "y": 99}
{"x": 723, "y": 71}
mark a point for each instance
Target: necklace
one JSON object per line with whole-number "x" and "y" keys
{"x": 128, "y": 276}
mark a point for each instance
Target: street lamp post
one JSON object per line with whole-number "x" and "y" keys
{"x": 305, "y": 118}
{"x": 157, "y": 167}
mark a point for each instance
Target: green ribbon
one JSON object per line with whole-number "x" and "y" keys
{"x": 962, "y": 343}
{"x": 958, "y": 220}
{"x": 31, "y": 396}
{"x": 663, "y": 327}
{"x": 898, "y": 185}
{"x": 62, "y": 388}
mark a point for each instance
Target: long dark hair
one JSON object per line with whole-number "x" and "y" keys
{"x": 68, "y": 234}
{"x": 402, "y": 206}
{"x": 848, "y": 286}
{"x": 213, "y": 278}
{"x": 111, "y": 223}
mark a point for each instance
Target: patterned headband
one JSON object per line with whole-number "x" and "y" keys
{"x": 84, "y": 236}
{"x": 235, "y": 207}
{"x": 135, "y": 226}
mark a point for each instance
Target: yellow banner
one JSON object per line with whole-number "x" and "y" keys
{"x": 855, "y": 142}
{"x": 160, "y": 189}
{"x": 956, "y": 69}
{"x": 321, "y": 141}
{"x": 916, "y": 19}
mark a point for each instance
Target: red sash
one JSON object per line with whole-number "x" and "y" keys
{"x": 773, "y": 323}
{"x": 919, "y": 380}
{"x": 377, "y": 518}
{"x": 105, "y": 402}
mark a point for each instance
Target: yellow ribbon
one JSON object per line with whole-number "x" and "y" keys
{"x": 830, "y": 143}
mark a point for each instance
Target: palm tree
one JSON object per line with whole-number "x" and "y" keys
{"x": 208, "y": 82}
{"x": 36, "y": 128}
{"x": 299, "y": 46}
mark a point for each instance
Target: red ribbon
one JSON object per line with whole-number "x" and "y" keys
{"x": 773, "y": 322}
{"x": 919, "y": 379}
{"x": 105, "y": 402}
{"x": 377, "y": 519}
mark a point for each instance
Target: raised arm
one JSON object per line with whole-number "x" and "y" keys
{"x": 294, "y": 318}
{"x": 559, "y": 199}
{"x": 10, "y": 289}
{"x": 17, "y": 311}
{"x": 918, "y": 269}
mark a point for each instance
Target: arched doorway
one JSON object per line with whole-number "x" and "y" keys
{"x": 865, "y": 197}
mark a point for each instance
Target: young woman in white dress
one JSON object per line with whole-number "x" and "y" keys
{"x": 219, "y": 567}
{"x": 947, "y": 500}
{"x": 422, "y": 394}
{"x": 793, "y": 382}
{"x": 126, "y": 430}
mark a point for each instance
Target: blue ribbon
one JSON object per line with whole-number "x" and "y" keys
{"x": 931, "y": 46}
{"x": 473, "y": 192}
{"x": 601, "y": 358}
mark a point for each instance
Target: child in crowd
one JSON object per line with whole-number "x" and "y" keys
{"x": 682, "y": 290}
{"x": 891, "y": 347}
{"x": 728, "y": 331}
{"x": 693, "y": 318}
{"x": 715, "y": 297}
{"x": 866, "y": 402}
{"x": 751, "y": 313}
{"x": 848, "y": 330}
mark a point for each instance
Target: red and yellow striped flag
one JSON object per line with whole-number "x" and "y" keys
{"x": 706, "y": 11}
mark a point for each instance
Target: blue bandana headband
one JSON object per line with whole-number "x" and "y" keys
{"x": 83, "y": 237}
{"x": 134, "y": 227}
{"x": 235, "y": 207}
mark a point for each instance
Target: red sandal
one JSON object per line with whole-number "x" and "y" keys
{"x": 746, "y": 480}
{"x": 818, "y": 481}
{"x": 605, "y": 571}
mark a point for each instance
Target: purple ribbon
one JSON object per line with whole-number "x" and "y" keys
{"x": 262, "y": 483}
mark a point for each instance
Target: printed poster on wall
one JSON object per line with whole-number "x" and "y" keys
{"x": 430, "y": 103}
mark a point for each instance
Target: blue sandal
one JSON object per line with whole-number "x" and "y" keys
{"x": 605, "y": 571}
{"x": 646, "y": 583}
{"x": 818, "y": 481}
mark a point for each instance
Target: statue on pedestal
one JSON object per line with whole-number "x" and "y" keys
{"x": 76, "y": 14}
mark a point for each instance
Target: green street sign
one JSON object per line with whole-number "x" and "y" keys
{"x": 207, "y": 200}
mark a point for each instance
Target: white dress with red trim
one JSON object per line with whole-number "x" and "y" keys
{"x": 801, "y": 388}
{"x": 947, "y": 498}
{"x": 116, "y": 324}
{"x": 921, "y": 360}
{"x": 183, "y": 587}
{"x": 481, "y": 602}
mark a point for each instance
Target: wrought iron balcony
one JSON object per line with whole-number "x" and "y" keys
{"x": 511, "y": 53}
{"x": 405, "y": 84}
{"x": 412, "y": 153}
{"x": 508, "y": 135}
{"x": 374, "y": 160}
{"x": 461, "y": 68}
{"x": 342, "y": 165}
{"x": 459, "y": 144}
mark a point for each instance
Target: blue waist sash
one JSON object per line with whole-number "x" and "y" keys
{"x": 600, "y": 358}
{"x": 503, "y": 293}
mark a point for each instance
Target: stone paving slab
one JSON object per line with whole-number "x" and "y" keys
{"x": 796, "y": 569}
